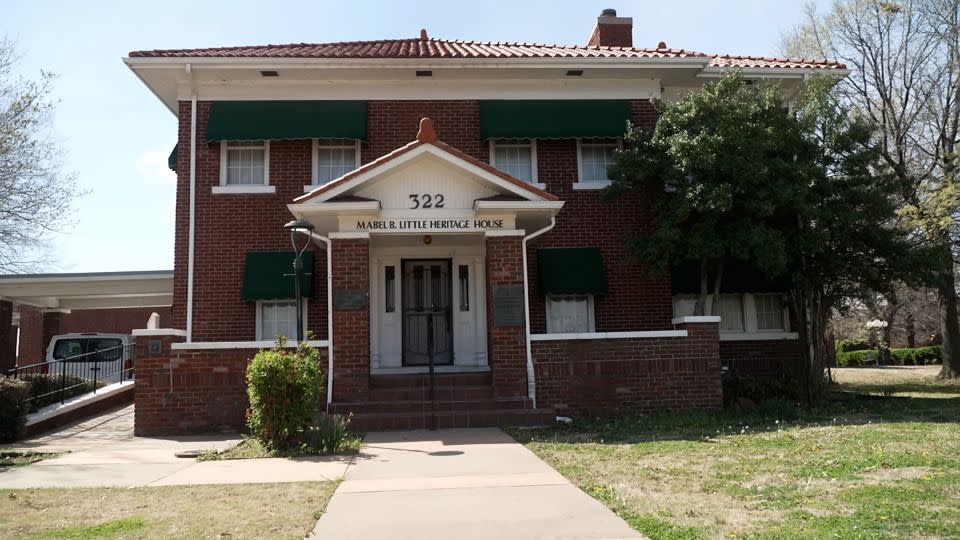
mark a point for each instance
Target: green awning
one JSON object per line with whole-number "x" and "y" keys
{"x": 571, "y": 271}
{"x": 268, "y": 275}
{"x": 263, "y": 120}
{"x": 172, "y": 159}
{"x": 554, "y": 119}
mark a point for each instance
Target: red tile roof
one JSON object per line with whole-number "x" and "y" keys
{"x": 443, "y": 48}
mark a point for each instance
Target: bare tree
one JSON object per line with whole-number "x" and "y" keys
{"x": 35, "y": 195}
{"x": 905, "y": 61}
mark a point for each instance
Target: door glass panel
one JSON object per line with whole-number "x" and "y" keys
{"x": 425, "y": 304}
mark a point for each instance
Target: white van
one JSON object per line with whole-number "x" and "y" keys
{"x": 93, "y": 356}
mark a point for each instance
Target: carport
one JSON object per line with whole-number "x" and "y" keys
{"x": 56, "y": 296}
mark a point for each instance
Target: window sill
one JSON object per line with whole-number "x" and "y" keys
{"x": 757, "y": 336}
{"x": 590, "y": 185}
{"x": 243, "y": 190}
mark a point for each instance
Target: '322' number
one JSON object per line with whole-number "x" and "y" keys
{"x": 426, "y": 200}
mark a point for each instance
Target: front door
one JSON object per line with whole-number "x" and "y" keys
{"x": 425, "y": 301}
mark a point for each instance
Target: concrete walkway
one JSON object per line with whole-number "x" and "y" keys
{"x": 102, "y": 451}
{"x": 463, "y": 484}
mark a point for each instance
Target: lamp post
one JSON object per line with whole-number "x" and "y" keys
{"x": 305, "y": 227}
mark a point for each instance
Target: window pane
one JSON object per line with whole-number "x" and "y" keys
{"x": 246, "y": 166}
{"x": 730, "y": 309}
{"x": 568, "y": 314}
{"x": 684, "y": 306}
{"x": 278, "y": 319}
{"x": 517, "y": 161}
{"x": 595, "y": 160}
{"x": 769, "y": 311}
{"x": 334, "y": 162}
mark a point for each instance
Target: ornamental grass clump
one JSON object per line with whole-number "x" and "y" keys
{"x": 284, "y": 387}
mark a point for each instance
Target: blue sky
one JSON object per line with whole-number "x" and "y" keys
{"x": 117, "y": 135}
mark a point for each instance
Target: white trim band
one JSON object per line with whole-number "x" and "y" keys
{"x": 758, "y": 336}
{"x": 610, "y": 335}
{"x": 237, "y": 189}
{"x": 159, "y": 332}
{"x": 265, "y": 344}
{"x": 504, "y": 232}
{"x": 696, "y": 319}
{"x": 349, "y": 236}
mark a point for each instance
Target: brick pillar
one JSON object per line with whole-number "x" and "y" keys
{"x": 8, "y": 337}
{"x": 53, "y": 324}
{"x": 351, "y": 319}
{"x": 153, "y": 372}
{"x": 703, "y": 337}
{"x": 507, "y": 343}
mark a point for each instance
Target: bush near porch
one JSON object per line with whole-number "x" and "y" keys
{"x": 920, "y": 356}
{"x": 880, "y": 458}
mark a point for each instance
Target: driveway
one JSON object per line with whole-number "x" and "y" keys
{"x": 102, "y": 451}
{"x": 464, "y": 484}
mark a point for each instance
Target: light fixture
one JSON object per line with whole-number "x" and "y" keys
{"x": 305, "y": 228}
{"x": 427, "y": 239}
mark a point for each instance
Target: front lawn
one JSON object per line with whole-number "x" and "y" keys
{"x": 879, "y": 459}
{"x": 260, "y": 511}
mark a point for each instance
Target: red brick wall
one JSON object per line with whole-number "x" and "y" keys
{"x": 228, "y": 226}
{"x": 760, "y": 358}
{"x": 638, "y": 374}
{"x": 31, "y": 336}
{"x": 351, "y": 329}
{"x": 392, "y": 124}
{"x": 612, "y": 35}
{"x": 506, "y": 346}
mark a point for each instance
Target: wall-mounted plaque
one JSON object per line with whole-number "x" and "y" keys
{"x": 508, "y": 305}
{"x": 349, "y": 299}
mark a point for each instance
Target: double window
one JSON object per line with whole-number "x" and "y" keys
{"x": 516, "y": 157}
{"x": 741, "y": 312}
{"x": 570, "y": 314}
{"x": 244, "y": 167}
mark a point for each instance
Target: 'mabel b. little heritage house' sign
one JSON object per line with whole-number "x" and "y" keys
{"x": 398, "y": 225}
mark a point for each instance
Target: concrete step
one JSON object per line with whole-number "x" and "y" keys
{"x": 445, "y": 420}
{"x": 418, "y": 393}
{"x": 414, "y": 380}
{"x": 426, "y": 406}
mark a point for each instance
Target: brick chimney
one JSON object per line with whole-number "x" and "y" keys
{"x": 612, "y": 31}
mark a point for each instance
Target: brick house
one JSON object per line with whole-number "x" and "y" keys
{"x": 454, "y": 189}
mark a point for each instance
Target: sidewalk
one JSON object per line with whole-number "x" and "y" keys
{"x": 463, "y": 484}
{"x": 102, "y": 451}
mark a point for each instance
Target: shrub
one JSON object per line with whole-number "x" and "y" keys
{"x": 44, "y": 388}
{"x": 777, "y": 408}
{"x": 329, "y": 434}
{"x": 849, "y": 345}
{"x": 284, "y": 389}
{"x": 13, "y": 407}
{"x": 902, "y": 357}
{"x": 737, "y": 386}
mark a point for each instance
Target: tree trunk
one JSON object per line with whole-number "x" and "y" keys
{"x": 949, "y": 324}
{"x": 808, "y": 308}
{"x": 911, "y": 331}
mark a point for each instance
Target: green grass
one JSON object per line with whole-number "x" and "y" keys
{"x": 16, "y": 459}
{"x": 879, "y": 459}
{"x": 251, "y": 448}
{"x": 109, "y": 529}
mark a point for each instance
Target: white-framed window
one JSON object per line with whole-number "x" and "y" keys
{"x": 333, "y": 158}
{"x": 244, "y": 167}
{"x": 730, "y": 309}
{"x": 770, "y": 312}
{"x": 516, "y": 157}
{"x": 594, "y": 159}
{"x": 570, "y": 314}
{"x": 279, "y": 318}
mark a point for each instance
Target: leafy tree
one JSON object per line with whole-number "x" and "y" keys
{"x": 35, "y": 196}
{"x": 905, "y": 62}
{"x": 801, "y": 195}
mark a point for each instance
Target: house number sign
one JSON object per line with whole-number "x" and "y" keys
{"x": 425, "y": 200}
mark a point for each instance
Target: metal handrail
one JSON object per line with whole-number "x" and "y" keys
{"x": 69, "y": 376}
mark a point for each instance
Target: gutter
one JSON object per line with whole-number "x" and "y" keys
{"x": 329, "y": 244}
{"x": 193, "y": 204}
{"x": 531, "y": 376}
